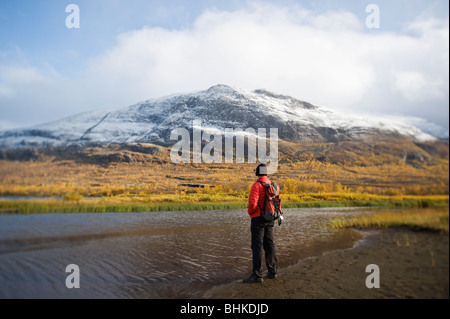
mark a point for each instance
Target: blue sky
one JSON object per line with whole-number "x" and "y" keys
{"x": 315, "y": 50}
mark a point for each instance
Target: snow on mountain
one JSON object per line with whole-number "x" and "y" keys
{"x": 218, "y": 107}
{"x": 428, "y": 127}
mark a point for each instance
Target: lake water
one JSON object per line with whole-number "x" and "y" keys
{"x": 149, "y": 255}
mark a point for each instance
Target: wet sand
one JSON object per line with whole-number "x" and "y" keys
{"x": 412, "y": 265}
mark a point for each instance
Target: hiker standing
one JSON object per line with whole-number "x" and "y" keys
{"x": 261, "y": 229}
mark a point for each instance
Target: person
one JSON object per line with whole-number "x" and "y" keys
{"x": 261, "y": 231}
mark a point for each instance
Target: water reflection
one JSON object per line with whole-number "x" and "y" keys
{"x": 148, "y": 255}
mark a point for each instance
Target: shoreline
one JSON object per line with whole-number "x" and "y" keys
{"x": 136, "y": 205}
{"x": 412, "y": 264}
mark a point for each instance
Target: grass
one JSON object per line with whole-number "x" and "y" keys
{"x": 363, "y": 199}
{"x": 310, "y": 175}
{"x": 414, "y": 219}
{"x": 122, "y": 203}
{"x": 185, "y": 202}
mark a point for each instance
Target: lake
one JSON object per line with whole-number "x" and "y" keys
{"x": 150, "y": 255}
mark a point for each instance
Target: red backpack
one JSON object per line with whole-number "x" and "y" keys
{"x": 272, "y": 206}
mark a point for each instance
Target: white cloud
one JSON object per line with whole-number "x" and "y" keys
{"x": 6, "y": 92}
{"x": 5, "y": 125}
{"x": 30, "y": 96}
{"x": 414, "y": 87}
{"x": 328, "y": 59}
{"x": 291, "y": 51}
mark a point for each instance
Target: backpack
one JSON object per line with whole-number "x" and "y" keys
{"x": 272, "y": 207}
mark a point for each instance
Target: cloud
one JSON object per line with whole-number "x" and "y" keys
{"x": 29, "y": 95}
{"x": 291, "y": 51}
{"x": 6, "y": 92}
{"x": 414, "y": 87}
{"x": 328, "y": 59}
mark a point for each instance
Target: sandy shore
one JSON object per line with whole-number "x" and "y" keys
{"x": 412, "y": 265}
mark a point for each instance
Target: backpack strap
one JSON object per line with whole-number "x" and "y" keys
{"x": 275, "y": 187}
{"x": 265, "y": 194}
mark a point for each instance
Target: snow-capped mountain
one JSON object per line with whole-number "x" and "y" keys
{"x": 218, "y": 107}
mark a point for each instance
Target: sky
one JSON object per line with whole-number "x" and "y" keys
{"x": 127, "y": 51}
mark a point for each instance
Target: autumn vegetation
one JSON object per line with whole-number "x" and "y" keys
{"x": 382, "y": 174}
{"x": 424, "y": 219}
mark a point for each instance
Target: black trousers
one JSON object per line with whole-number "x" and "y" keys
{"x": 262, "y": 238}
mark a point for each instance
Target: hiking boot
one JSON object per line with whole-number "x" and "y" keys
{"x": 271, "y": 275}
{"x": 253, "y": 279}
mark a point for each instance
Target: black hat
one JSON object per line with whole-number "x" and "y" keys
{"x": 261, "y": 170}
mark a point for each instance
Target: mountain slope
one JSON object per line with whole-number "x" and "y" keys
{"x": 218, "y": 107}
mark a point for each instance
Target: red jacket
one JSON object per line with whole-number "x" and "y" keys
{"x": 256, "y": 197}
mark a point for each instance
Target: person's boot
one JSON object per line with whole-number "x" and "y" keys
{"x": 271, "y": 275}
{"x": 253, "y": 279}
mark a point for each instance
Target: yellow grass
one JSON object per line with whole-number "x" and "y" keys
{"x": 423, "y": 219}
{"x": 75, "y": 202}
{"x": 156, "y": 183}
{"x": 58, "y": 178}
